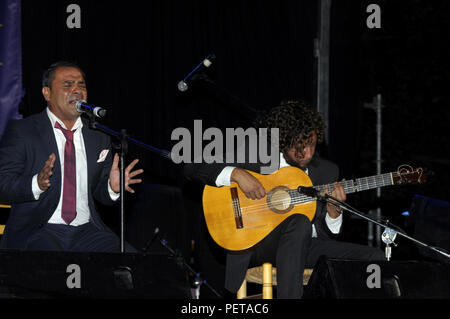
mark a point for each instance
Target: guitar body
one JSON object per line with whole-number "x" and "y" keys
{"x": 236, "y": 222}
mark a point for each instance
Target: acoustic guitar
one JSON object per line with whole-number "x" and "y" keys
{"x": 236, "y": 222}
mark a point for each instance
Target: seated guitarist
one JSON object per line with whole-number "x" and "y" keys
{"x": 296, "y": 243}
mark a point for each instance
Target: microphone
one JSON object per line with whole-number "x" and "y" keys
{"x": 206, "y": 63}
{"x": 311, "y": 192}
{"x": 81, "y": 107}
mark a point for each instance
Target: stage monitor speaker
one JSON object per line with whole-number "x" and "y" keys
{"x": 27, "y": 274}
{"x": 431, "y": 219}
{"x": 346, "y": 279}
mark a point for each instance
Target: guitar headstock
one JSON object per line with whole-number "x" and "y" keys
{"x": 405, "y": 174}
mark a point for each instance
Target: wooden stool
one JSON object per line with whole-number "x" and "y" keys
{"x": 265, "y": 275}
{"x": 2, "y": 227}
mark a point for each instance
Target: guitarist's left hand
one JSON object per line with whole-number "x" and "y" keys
{"x": 339, "y": 193}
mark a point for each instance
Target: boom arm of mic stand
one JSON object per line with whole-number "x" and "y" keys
{"x": 164, "y": 153}
{"x": 336, "y": 202}
{"x": 344, "y": 206}
{"x": 237, "y": 104}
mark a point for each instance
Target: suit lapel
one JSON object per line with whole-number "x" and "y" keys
{"x": 44, "y": 129}
{"x": 91, "y": 147}
{"x": 316, "y": 172}
{"x": 312, "y": 173}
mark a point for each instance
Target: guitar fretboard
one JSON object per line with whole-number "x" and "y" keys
{"x": 361, "y": 184}
{"x": 350, "y": 186}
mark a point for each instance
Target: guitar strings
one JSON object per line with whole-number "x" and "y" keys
{"x": 291, "y": 201}
{"x": 349, "y": 186}
{"x": 294, "y": 199}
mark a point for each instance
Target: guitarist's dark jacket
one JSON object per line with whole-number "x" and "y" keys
{"x": 320, "y": 171}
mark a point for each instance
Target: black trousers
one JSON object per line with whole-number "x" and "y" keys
{"x": 290, "y": 248}
{"x": 83, "y": 238}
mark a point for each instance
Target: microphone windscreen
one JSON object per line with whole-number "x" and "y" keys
{"x": 182, "y": 86}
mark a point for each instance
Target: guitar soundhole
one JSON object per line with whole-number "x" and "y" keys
{"x": 279, "y": 200}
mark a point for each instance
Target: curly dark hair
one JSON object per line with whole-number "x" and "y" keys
{"x": 296, "y": 121}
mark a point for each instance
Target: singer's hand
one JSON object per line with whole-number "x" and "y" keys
{"x": 114, "y": 175}
{"x": 338, "y": 193}
{"x": 251, "y": 187}
{"x": 44, "y": 175}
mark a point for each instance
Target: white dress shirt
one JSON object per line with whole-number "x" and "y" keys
{"x": 83, "y": 212}
{"x": 224, "y": 179}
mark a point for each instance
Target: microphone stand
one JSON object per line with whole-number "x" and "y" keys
{"x": 123, "y": 140}
{"x": 198, "y": 281}
{"x": 389, "y": 234}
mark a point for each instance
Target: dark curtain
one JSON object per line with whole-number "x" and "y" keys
{"x": 134, "y": 54}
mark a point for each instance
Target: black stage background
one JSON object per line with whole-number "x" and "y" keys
{"x": 135, "y": 52}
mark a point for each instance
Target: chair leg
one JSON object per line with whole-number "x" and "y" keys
{"x": 267, "y": 281}
{"x": 242, "y": 292}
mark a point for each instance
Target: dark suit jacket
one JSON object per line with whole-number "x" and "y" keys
{"x": 24, "y": 148}
{"x": 320, "y": 171}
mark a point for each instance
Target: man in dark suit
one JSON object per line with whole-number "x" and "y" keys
{"x": 53, "y": 166}
{"x": 296, "y": 243}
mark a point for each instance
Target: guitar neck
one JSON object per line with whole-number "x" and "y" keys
{"x": 361, "y": 184}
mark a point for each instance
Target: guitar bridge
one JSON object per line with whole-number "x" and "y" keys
{"x": 236, "y": 208}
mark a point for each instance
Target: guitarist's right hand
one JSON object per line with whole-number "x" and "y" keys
{"x": 249, "y": 184}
